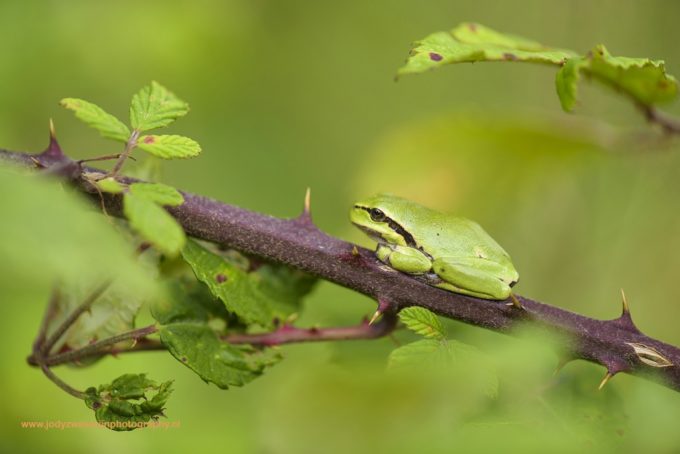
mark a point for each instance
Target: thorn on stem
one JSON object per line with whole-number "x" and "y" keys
{"x": 308, "y": 202}
{"x": 626, "y": 320}
{"x": 383, "y": 306}
{"x": 624, "y": 303}
{"x": 515, "y": 302}
{"x": 53, "y": 149}
{"x": 306, "y": 215}
{"x": 608, "y": 376}
{"x": 375, "y": 316}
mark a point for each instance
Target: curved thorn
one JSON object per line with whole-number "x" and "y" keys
{"x": 624, "y": 303}
{"x": 515, "y": 302}
{"x": 308, "y": 202}
{"x": 53, "y": 149}
{"x": 605, "y": 380}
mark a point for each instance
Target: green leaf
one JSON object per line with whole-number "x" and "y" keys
{"x": 198, "y": 347}
{"x": 161, "y": 194}
{"x": 154, "y": 224}
{"x": 113, "y": 312}
{"x": 422, "y": 321}
{"x": 284, "y": 286}
{"x": 94, "y": 116}
{"x": 188, "y": 300}
{"x": 566, "y": 82}
{"x": 49, "y": 234}
{"x": 110, "y": 185}
{"x": 128, "y": 402}
{"x": 169, "y": 146}
{"x": 154, "y": 107}
{"x": 471, "y": 42}
{"x": 237, "y": 290}
{"x": 416, "y": 354}
{"x": 643, "y": 79}
{"x": 434, "y": 356}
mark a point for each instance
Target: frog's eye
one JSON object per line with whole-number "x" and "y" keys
{"x": 377, "y": 215}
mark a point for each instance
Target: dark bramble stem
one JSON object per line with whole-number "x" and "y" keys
{"x": 286, "y": 334}
{"x": 670, "y": 125}
{"x": 99, "y": 348}
{"x": 616, "y": 344}
{"x": 60, "y": 383}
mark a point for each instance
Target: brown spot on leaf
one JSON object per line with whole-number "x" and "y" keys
{"x": 472, "y": 28}
{"x": 510, "y": 57}
{"x": 149, "y": 139}
{"x": 220, "y": 278}
{"x": 435, "y": 56}
{"x": 184, "y": 359}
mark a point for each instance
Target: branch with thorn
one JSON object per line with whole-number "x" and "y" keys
{"x": 616, "y": 344}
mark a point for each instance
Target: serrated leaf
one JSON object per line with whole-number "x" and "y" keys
{"x": 188, "y": 300}
{"x": 94, "y": 116}
{"x": 471, "y": 42}
{"x": 643, "y": 79}
{"x": 112, "y": 313}
{"x": 129, "y": 400}
{"x": 154, "y": 106}
{"x": 169, "y": 146}
{"x": 284, "y": 286}
{"x": 198, "y": 347}
{"x": 154, "y": 224}
{"x": 422, "y": 321}
{"x": 435, "y": 356}
{"x": 161, "y": 194}
{"x": 566, "y": 82}
{"x": 237, "y": 290}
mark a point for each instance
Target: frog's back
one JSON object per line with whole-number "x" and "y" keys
{"x": 456, "y": 236}
{"x": 435, "y": 231}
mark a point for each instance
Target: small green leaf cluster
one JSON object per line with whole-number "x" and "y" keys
{"x": 127, "y": 401}
{"x": 226, "y": 297}
{"x": 153, "y": 107}
{"x": 143, "y": 207}
{"x": 209, "y": 294}
{"x": 643, "y": 80}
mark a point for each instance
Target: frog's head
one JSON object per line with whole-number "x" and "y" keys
{"x": 379, "y": 217}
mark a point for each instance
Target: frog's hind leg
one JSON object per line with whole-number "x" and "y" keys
{"x": 475, "y": 276}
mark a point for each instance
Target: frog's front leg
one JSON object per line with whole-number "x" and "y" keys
{"x": 404, "y": 258}
{"x": 475, "y": 276}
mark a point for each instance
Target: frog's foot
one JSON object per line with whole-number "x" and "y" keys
{"x": 515, "y": 302}
{"x": 383, "y": 306}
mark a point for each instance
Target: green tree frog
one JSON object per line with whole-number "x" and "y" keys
{"x": 452, "y": 253}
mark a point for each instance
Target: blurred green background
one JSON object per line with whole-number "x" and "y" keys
{"x": 287, "y": 95}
